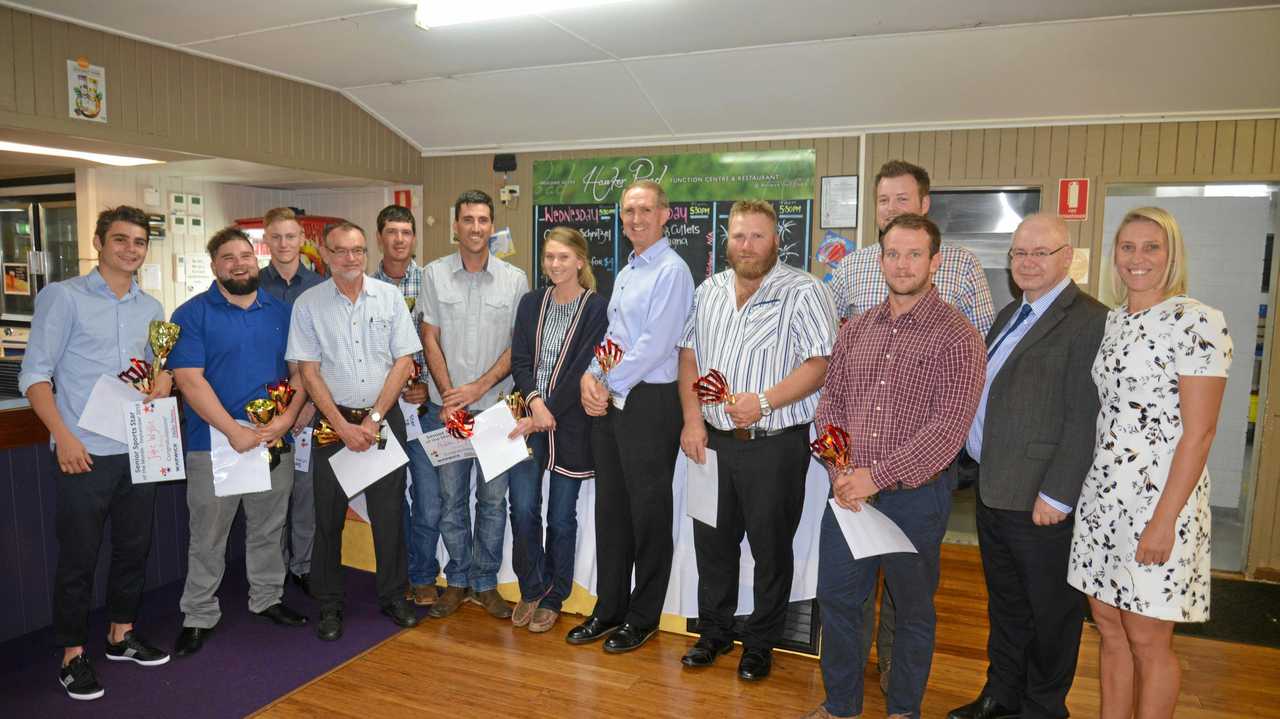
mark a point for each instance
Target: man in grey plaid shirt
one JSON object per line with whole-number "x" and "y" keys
{"x": 858, "y": 285}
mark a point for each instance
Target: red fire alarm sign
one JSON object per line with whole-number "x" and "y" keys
{"x": 404, "y": 198}
{"x": 1073, "y": 198}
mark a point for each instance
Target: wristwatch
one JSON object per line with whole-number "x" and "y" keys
{"x": 376, "y": 416}
{"x": 765, "y": 408}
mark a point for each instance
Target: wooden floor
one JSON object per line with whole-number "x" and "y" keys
{"x": 470, "y": 665}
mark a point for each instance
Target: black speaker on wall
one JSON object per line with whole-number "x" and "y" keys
{"x": 504, "y": 163}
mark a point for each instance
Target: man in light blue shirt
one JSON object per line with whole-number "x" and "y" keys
{"x": 636, "y": 430}
{"x": 1030, "y": 446}
{"x": 84, "y": 328}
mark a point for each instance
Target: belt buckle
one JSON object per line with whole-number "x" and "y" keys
{"x": 743, "y": 434}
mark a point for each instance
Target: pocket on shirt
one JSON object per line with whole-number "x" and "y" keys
{"x": 453, "y": 310}
{"x": 762, "y": 329}
{"x": 498, "y": 307}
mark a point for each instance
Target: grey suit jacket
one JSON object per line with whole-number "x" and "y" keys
{"x": 1042, "y": 408}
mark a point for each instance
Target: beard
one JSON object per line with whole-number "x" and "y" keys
{"x": 239, "y": 287}
{"x": 753, "y": 269}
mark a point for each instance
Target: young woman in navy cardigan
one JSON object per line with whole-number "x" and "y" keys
{"x": 556, "y": 332}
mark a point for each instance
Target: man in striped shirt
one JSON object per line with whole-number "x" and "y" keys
{"x": 904, "y": 382}
{"x": 768, "y": 328}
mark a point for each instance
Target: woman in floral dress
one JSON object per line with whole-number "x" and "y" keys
{"x": 1140, "y": 550}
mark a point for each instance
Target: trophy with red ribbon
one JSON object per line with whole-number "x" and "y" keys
{"x": 261, "y": 411}
{"x": 832, "y": 447}
{"x": 608, "y": 354}
{"x": 162, "y": 336}
{"x": 138, "y": 375}
{"x": 282, "y": 394}
{"x": 515, "y": 402}
{"x": 713, "y": 388}
{"x": 460, "y": 424}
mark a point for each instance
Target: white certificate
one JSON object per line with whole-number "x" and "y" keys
{"x": 302, "y": 450}
{"x": 869, "y": 533}
{"x": 412, "y": 423}
{"x": 155, "y": 441}
{"x": 238, "y": 472}
{"x": 495, "y": 450}
{"x": 443, "y": 448}
{"x": 104, "y": 412}
{"x": 702, "y": 489}
{"x": 357, "y": 470}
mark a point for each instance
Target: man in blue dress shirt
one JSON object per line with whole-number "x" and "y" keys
{"x": 636, "y": 430}
{"x": 84, "y": 328}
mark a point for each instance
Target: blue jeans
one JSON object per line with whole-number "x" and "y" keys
{"x": 546, "y": 575}
{"x": 473, "y": 561}
{"x": 844, "y": 584}
{"x": 422, "y": 521}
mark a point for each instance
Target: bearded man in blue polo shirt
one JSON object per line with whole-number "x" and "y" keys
{"x": 231, "y": 347}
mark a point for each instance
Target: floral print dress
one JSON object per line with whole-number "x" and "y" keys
{"x": 1136, "y": 372}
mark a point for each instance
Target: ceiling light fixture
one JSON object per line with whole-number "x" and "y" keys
{"x": 117, "y": 160}
{"x": 438, "y": 13}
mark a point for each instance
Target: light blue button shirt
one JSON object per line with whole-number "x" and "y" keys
{"x": 1008, "y": 340}
{"x": 81, "y": 331}
{"x": 647, "y": 311}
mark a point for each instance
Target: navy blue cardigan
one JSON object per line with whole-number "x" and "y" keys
{"x": 570, "y": 443}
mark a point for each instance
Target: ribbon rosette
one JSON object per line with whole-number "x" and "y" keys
{"x": 138, "y": 375}
{"x": 282, "y": 394}
{"x": 608, "y": 354}
{"x": 832, "y": 447}
{"x": 713, "y": 388}
{"x": 460, "y": 424}
{"x": 162, "y": 336}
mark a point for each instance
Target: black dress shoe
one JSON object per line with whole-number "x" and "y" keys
{"x": 303, "y": 581}
{"x": 282, "y": 615}
{"x": 330, "y": 627}
{"x": 589, "y": 631}
{"x": 401, "y": 612}
{"x": 628, "y": 638}
{"x": 755, "y": 664}
{"x": 984, "y": 707}
{"x": 190, "y": 639}
{"x": 705, "y": 651}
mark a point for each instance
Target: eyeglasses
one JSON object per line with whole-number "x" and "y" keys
{"x": 348, "y": 252}
{"x": 1036, "y": 255}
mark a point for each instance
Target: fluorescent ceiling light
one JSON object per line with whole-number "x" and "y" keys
{"x": 438, "y": 13}
{"x": 117, "y": 160}
{"x": 1237, "y": 191}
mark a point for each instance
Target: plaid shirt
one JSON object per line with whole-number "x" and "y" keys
{"x": 905, "y": 389}
{"x": 858, "y": 284}
{"x": 410, "y": 285}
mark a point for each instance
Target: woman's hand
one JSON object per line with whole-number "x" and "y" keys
{"x": 1156, "y": 543}
{"x": 543, "y": 420}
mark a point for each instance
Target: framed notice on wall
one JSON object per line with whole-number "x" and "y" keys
{"x": 86, "y": 91}
{"x": 839, "y": 201}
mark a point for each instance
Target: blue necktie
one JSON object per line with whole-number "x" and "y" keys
{"x": 1022, "y": 315}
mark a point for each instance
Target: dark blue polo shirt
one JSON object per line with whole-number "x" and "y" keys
{"x": 241, "y": 352}
{"x": 303, "y": 280}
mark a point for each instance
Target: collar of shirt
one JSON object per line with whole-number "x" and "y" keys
{"x": 1040, "y": 306}
{"x": 365, "y": 289}
{"x": 923, "y": 310}
{"x": 301, "y": 275}
{"x": 455, "y": 264}
{"x": 214, "y": 296}
{"x": 409, "y": 272}
{"x": 652, "y": 253}
{"x": 98, "y": 284}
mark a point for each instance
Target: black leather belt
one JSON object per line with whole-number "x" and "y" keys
{"x": 750, "y": 433}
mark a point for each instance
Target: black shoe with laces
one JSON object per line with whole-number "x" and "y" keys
{"x": 134, "y": 649}
{"x": 78, "y": 679}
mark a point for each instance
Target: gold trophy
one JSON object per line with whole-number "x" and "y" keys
{"x": 162, "y": 336}
{"x": 261, "y": 412}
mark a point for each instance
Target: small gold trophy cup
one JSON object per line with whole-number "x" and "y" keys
{"x": 261, "y": 412}
{"x": 162, "y": 336}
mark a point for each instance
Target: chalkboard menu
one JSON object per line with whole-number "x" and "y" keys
{"x": 600, "y": 227}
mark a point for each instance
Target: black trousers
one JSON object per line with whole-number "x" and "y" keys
{"x": 385, "y": 500}
{"x": 761, "y": 494}
{"x": 84, "y": 503}
{"x": 1035, "y": 615}
{"x": 635, "y": 455}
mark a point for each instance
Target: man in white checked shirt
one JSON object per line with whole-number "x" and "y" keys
{"x": 768, "y": 328}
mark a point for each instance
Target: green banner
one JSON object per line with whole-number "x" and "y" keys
{"x": 759, "y": 175}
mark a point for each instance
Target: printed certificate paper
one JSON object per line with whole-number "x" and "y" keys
{"x": 155, "y": 441}
{"x": 443, "y": 448}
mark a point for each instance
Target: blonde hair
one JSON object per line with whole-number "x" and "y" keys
{"x": 754, "y": 207}
{"x": 574, "y": 240}
{"x": 1174, "y": 280}
{"x": 278, "y": 214}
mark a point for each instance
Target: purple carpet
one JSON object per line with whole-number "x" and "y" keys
{"x": 247, "y": 663}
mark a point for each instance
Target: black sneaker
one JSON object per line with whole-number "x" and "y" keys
{"x": 134, "y": 649}
{"x": 79, "y": 680}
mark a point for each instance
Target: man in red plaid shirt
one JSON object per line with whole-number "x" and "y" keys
{"x": 904, "y": 381}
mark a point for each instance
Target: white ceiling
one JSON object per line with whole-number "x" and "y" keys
{"x": 651, "y": 71}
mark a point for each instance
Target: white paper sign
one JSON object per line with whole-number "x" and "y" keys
{"x": 702, "y": 489}
{"x": 104, "y": 412}
{"x": 357, "y": 470}
{"x": 302, "y": 450}
{"x": 495, "y": 450}
{"x": 86, "y": 92}
{"x": 443, "y": 448}
{"x": 155, "y": 441}
{"x": 238, "y": 472}
{"x": 869, "y": 533}
{"x": 412, "y": 422}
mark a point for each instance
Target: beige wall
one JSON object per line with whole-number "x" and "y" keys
{"x": 162, "y": 98}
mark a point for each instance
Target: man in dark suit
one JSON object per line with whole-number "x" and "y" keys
{"x": 1030, "y": 446}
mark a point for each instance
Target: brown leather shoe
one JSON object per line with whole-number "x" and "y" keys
{"x": 448, "y": 602}
{"x": 543, "y": 620}
{"x": 424, "y": 595}
{"x": 523, "y": 612}
{"x": 492, "y": 602}
{"x": 822, "y": 713}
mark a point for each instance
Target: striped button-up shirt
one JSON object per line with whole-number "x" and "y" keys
{"x": 905, "y": 389}
{"x": 858, "y": 284}
{"x": 789, "y": 319}
{"x": 356, "y": 343}
{"x": 410, "y": 286}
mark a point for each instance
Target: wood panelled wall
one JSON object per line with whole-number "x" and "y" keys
{"x": 445, "y": 177}
{"x": 163, "y": 98}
